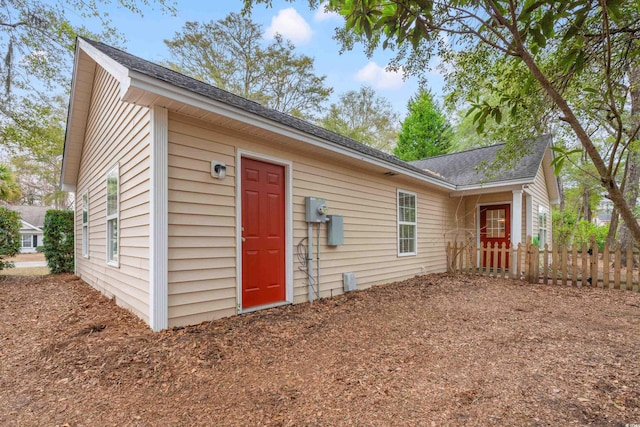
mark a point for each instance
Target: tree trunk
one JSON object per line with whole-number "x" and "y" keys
{"x": 613, "y": 227}
{"x": 607, "y": 179}
{"x": 633, "y": 163}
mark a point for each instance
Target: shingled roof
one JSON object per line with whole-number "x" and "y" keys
{"x": 465, "y": 167}
{"x": 34, "y": 215}
{"x": 174, "y": 78}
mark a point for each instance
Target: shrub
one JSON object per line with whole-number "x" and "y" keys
{"x": 58, "y": 240}
{"x": 9, "y": 236}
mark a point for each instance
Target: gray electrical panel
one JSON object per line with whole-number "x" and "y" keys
{"x": 315, "y": 209}
{"x": 335, "y": 230}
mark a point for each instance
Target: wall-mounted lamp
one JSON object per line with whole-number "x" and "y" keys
{"x": 218, "y": 169}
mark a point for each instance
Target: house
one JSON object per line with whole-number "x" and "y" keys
{"x": 193, "y": 203}
{"x": 602, "y": 219}
{"x": 32, "y": 221}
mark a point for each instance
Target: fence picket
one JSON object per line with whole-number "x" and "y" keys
{"x": 629, "y": 282}
{"x": 616, "y": 269}
{"x": 594, "y": 262}
{"x": 545, "y": 264}
{"x": 574, "y": 264}
{"x": 554, "y": 265}
{"x": 605, "y": 267}
{"x": 564, "y": 266}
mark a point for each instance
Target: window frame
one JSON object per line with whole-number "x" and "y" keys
{"x": 111, "y": 258}
{"x": 85, "y": 224}
{"x": 543, "y": 218}
{"x": 401, "y": 223}
{"x": 22, "y": 238}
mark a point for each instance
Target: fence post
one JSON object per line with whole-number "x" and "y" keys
{"x": 629, "y": 285}
{"x": 545, "y": 264}
{"x": 554, "y": 265}
{"x": 594, "y": 262}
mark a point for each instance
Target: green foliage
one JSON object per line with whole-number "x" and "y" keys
{"x": 9, "y": 236}
{"x": 567, "y": 230}
{"x": 9, "y": 189}
{"x": 59, "y": 241}
{"x": 563, "y": 225}
{"x": 37, "y": 42}
{"x": 365, "y": 117}
{"x": 425, "y": 132}
{"x": 231, "y": 55}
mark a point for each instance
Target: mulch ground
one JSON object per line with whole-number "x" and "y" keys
{"x": 434, "y": 350}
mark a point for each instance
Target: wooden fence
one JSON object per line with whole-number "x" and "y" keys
{"x": 575, "y": 265}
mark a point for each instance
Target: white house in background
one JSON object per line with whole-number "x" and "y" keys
{"x": 32, "y": 221}
{"x": 193, "y": 203}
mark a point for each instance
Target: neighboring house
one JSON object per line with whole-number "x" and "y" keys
{"x": 192, "y": 203}
{"x": 602, "y": 218}
{"x": 32, "y": 221}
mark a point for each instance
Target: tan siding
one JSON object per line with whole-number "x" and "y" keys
{"x": 202, "y": 231}
{"x": 116, "y": 133}
{"x": 540, "y": 196}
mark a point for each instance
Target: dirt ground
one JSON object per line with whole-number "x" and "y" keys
{"x": 435, "y": 350}
{"x": 37, "y": 256}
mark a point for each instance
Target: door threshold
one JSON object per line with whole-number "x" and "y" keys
{"x": 263, "y": 307}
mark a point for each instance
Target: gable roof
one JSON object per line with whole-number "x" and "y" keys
{"x": 31, "y": 215}
{"x": 147, "y": 84}
{"x": 464, "y": 168}
{"x": 130, "y": 68}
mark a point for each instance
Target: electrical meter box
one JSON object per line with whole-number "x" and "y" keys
{"x": 315, "y": 209}
{"x": 335, "y": 230}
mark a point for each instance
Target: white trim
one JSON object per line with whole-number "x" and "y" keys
{"x": 139, "y": 81}
{"x": 288, "y": 171}
{"x": 116, "y": 216}
{"x": 528, "y": 214}
{"x": 85, "y": 244}
{"x": 28, "y": 225}
{"x": 158, "y": 220}
{"x": 489, "y": 189}
{"x": 113, "y": 67}
{"x": 399, "y": 223}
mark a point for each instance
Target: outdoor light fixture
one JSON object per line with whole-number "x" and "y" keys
{"x": 218, "y": 169}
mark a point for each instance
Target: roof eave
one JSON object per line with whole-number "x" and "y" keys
{"x": 140, "y": 83}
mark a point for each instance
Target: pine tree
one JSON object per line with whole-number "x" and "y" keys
{"x": 425, "y": 131}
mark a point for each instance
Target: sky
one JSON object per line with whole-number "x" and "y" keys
{"x": 310, "y": 31}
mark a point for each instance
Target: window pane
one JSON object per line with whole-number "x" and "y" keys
{"x": 407, "y": 238}
{"x": 112, "y": 193}
{"x": 27, "y": 240}
{"x": 85, "y": 208}
{"x": 112, "y": 240}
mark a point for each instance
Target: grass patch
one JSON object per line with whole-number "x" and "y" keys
{"x": 25, "y": 271}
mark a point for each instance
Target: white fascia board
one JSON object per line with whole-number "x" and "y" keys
{"x": 493, "y": 187}
{"x": 64, "y": 185}
{"x": 113, "y": 67}
{"x": 29, "y": 226}
{"x": 143, "y": 82}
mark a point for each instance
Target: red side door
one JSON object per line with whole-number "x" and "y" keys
{"x": 263, "y": 233}
{"x": 495, "y": 228}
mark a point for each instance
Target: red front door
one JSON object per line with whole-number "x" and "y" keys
{"x": 495, "y": 228}
{"x": 263, "y": 233}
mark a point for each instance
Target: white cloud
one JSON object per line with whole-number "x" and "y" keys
{"x": 290, "y": 25}
{"x": 323, "y": 15}
{"x": 378, "y": 77}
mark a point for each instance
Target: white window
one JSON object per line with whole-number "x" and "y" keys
{"x": 543, "y": 216}
{"x": 85, "y": 225}
{"x": 407, "y": 223}
{"x": 27, "y": 241}
{"x": 113, "y": 194}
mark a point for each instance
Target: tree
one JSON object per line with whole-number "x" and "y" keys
{"x": 425, "y": 132}
{"x": 365, "y": 117}
{"x": 34, "y": 140}
{"x": 559, "y": 43}
{"x": 229, "y": 54}
{"x": 9, "y": 236}
{"x": 9, "y": 190}
{"x": 37, "y": 39}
